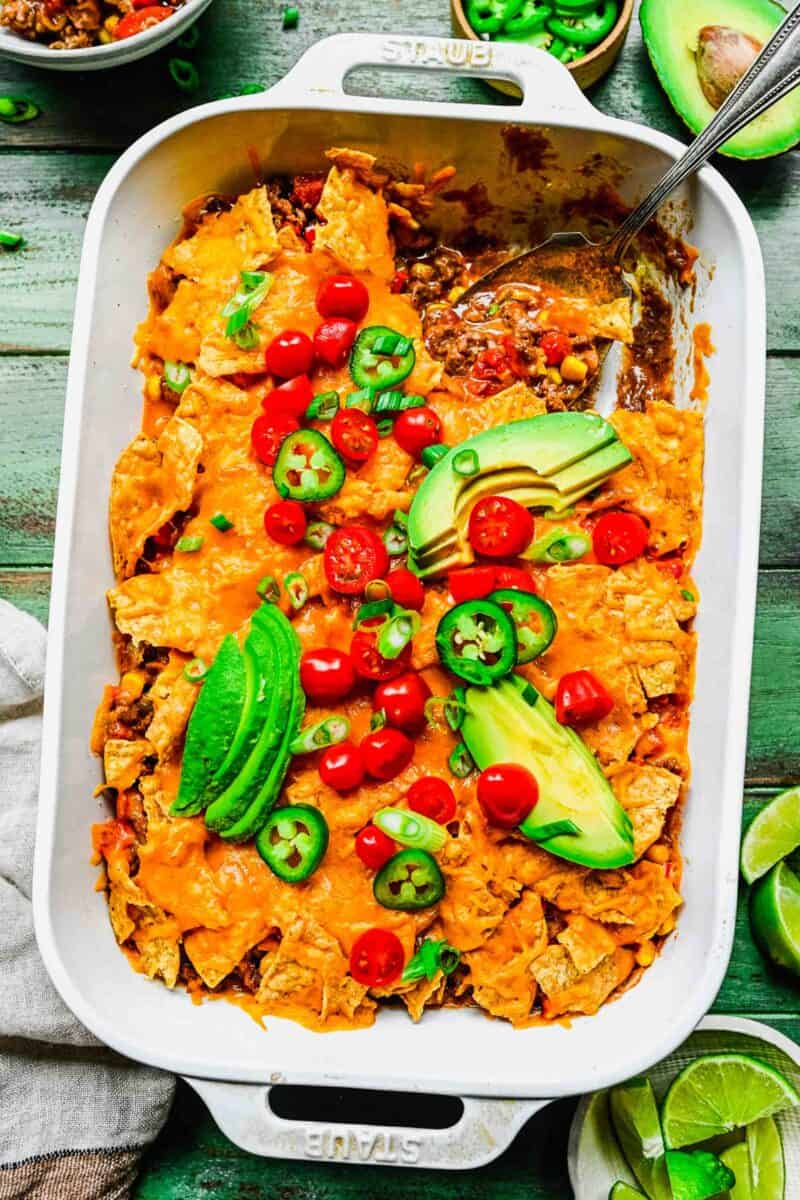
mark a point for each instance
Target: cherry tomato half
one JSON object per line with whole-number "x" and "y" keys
{"x": 403, "y": 701}
{"x": 386, "y": 752}
{"x": 342, "y": 296}
{"x": 144, "y": 18}
{"x": 353, "y": 556}
{"x": 581, "y": 699}
{"x": 507, "y": 792}
{"x": 285, "y": 522}
{"x": 619, "y": 537}
{"x": 341, "y": 767}
{"x": 471, "y": 583}
{"x": 292, "y": 398}
{"x": 354, "y": 434}
{"x": 556, "y": 346}
{"x": 432, "y": 797}
{"x": 406, "y": 588}
{"x": 377, "y": 958}
{"x": 417, "y": 428}
{"x": 268, "y": 431}
{"x": 514, "y": 577}
{"x": 499, "y": 527}
{"x": 369, "y": 663}
{"x": 290, "y": 353}
{"x": 326, "y": 675}
{"x": 374, "y": 847}
{"x": 333, "y": 340}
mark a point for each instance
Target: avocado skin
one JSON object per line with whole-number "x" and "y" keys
{"x": 278, "y": 670}
{"x": 212, "y": 726}
{"x": 669, "y": 27}
{"x": 508, "y": 723}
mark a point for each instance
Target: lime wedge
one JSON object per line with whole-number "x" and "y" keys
{"x": 773, "y": 834}
{"x": 624, "y": 1191}
{"x": 737, "y": 1159}
{"x": 766, "y": 1160}
{"x": 775, "y": 916}
{"x": 718, "y": 1093}
{"x": 636, "y": 1123}
{"x": 697, "y": 1174}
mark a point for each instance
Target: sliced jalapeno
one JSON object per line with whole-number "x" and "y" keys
{"x": 293, "y": 842}
{"x": 535, "y": 621}
{"x": 477, "y": 641}
{"x": 307, "y": 467}
{"x": 588, "y": 30}
{"x": 296, "y": 589}
{"x": 409, "y": 881}
{"x": 488, "y": 16}
{"x": 530, "y": 18}
{"x": 381, "y": 358}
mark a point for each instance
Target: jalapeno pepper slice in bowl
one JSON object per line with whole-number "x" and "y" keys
{"x": 477, "y": 641}
{"x": 488, "y": 16}
{"x": 588, "y": 30}
{"x": 409, "y": 881}
{"x": 536, "y": 622}
{"x": 381, "y": 358}
{"x": 293, "y": 842}
{"x": 307, "y": 467}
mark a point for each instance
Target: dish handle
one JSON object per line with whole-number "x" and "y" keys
{"x": 485, "y": 1129}
{"x": 547, "y": 86}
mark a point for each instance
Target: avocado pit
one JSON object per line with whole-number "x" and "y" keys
{"x": 723, "y": 56}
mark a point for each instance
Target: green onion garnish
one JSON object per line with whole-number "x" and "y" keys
{"x": 385, "y": 428}
{"x": 687, "y": 595}
{"x": 400, "y": 518}
{"x": 452, "y": 708}
{"x": 393, "y": 402}
{"x": 460, "y": 761}
{"x": 11, "y": 241}
{"x": 177, "y": 375}
{"x": 189, "y": 38}
{"x": 221, "y": 522}
{"x": 395, "y": 539}
{"x": 323, "y": 407}
{"x": 188, "y": 545}
{"x": 296, "y": 589}
{"x": 378, "y": 719}
{"x": 377, "y": 589}
{"x": 317, "y": 534}
{"x": 269, "y": 589}
{"x": 411, "y": 829}
{"x": 246, "y": 338}
{"x": 493, "y": 310}
{"x": 362, "y": 399}
{"x": 14, "y": 110}
{"x": 432, "y": 454}
{"x": 240, "y": 308}
{"x": 372, "y": 609}
{"x": 184, "y": 74}
{"x": 195, "y": 671}
{"x": 398, "y": 631}
{"x": 466, "y": 463}
{"x": 290, "y": 17}
{"x": 417, "y": 472}
{"x": 431, "y": 958}
{"x": 328, "y": 732}
{"x": 558, "y": 546}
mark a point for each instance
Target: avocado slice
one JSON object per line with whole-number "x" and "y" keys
{"x": 212, "y": 726}
{"x": 548, "y": 461}
{"x": 671, "y": 35}
{"x": 512, "y": 722}
{"x": 279, "y": 670}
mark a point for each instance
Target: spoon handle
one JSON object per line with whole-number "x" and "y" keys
{"x": 772, "y": 74}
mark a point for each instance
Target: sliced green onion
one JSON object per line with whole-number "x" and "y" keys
{"x": 377, "y": 589}
{"x": 13, "y": 110}
{"x": 432, "y": 454}
{"x": 452, "y": 708}
{"x": 290, "y": 17}
{"x": 493, "y": 310}
{"x": 557, "y": 546}
{"x": 177, "y": 375}
{"x": 221, "y": 522}
{"x": 328, "y": 732}
{"x": 395, "y": 539}
{"x": 188, "y": 545}
{"x": 373, "y": 609}
{"x": 553, "y": 829}
{"x": 362, "y": 399}
{"x": 251, "y": 89}
{"x": 398, "y": 631}
{"x": 246, "y": 338}
{"x": 11, "y": 241}
{"x": 195, "y": 671}
{"x": 466, "y": 463}
{"x": 392, "y": 402}
{"x": 184, "y": 74}
{"x": 296, "y": 589}
{"x": 400, "y": 518}
{"x": 687, "y": 595}
{"x": 189, "y": 38}
{"x": 411, "y": 829}
{"x": 269, "y": 589}
{"x": 431, "y": 958}
{"x": 323, "y": 407}
{"x": 317, "y": 534}
{"x": 385, "y": 428}
{"x": 460, "y": 761}
{"x": 377, "y": 720}
{"x": 253, "y": 291}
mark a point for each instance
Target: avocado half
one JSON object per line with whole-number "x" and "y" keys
{"x": 671, "y": 28}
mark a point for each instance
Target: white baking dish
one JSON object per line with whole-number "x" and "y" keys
{"x": 451, "y": 1051}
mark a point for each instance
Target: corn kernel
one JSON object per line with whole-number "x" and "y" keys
{"x": 554, "y": 374}
{"x": 111, "y": 22}
{"x": 667, "y": 927}
{"x": 455, "y": 293}
{"x": 153, "y": 387}
{"x": 132, "y": 684}
{"x": 659, "y": 853}
{"x": 104, "y": 37}
{"x": 574, "y": 369}
{"x": 646, "y": 954}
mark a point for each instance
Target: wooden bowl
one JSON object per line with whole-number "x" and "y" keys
{"x": 585, "y": 71}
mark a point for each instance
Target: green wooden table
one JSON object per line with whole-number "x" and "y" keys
{"x": 49, "y": 172}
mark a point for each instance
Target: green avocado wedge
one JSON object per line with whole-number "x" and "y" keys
{"x": 212, "y": 726}
{"x": 634, "y": 1115}
{"x": 697, "y": 1175}
{"x": 671, "y": 29}
{"x": 512, "y": 722}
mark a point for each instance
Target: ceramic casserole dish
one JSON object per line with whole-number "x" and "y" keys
{"x": 223, "y": 1053}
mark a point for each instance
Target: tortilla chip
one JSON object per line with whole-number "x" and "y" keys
{"x": 575, "y": 314}
{"x": 567, "y": 990}
{"x": 178, "y": 331}
{"x": 357, "y": 229}
{"x": 500, "y": 969}
{"x": 163, "y": 610}
{"x": 173, "y": 697}
{"x": 587, "y": 942}
{"x": 647, "y": 794}
{"x": 121, "y": 921}
{"x": 152, "y": 481}
{"x": 227, "y": 243}
{"x": 175, "y": 876}
{"x": 215, "y": 952}
{"x": 159, "y": 956}
{"x": 122, "y": 760}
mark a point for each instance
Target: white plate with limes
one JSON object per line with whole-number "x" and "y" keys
{"x": 743, "y": 1106}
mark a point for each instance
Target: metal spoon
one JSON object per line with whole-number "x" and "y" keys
{"x": 565, "y": 260}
